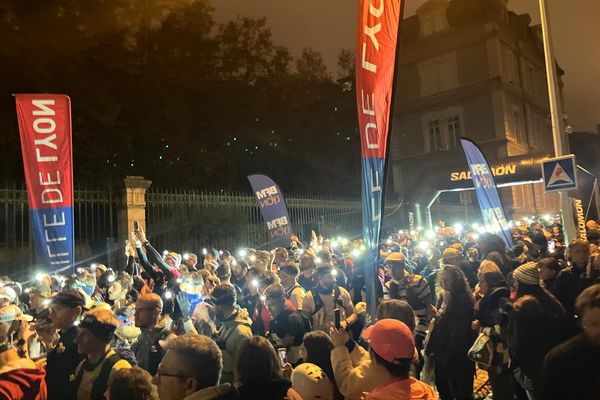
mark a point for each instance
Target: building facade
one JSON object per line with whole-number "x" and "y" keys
{"x": 468, "y": 68}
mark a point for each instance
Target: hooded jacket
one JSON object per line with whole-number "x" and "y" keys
{"x": 354, "y": 372}
{"x": 406, "y": 388}
{"x": 21, "y": 379}
{"x": 230, "y": 336}
{"x": 219, "y": 392}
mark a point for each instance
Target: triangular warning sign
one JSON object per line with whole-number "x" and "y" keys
{"x": 559, "y": 177}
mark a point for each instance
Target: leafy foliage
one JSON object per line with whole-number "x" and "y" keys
{"x": 159, "y": 90}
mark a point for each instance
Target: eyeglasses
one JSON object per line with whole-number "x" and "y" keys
{"x": 160, "y": 374}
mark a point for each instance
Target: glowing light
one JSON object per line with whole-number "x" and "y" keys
{"x": 318, "y": 260}
{"x": 204, "y": 252}
{"x": 233, "y": 262}
{"x": 111, "y": 278}
{"x": 263, "y": 298}
{"x": 424, "y": 245}
{"x": 548, "y": 218}
{"x": 430, "y": 234}
{"x": 344, "y": 242}
{"x": 80, "y": 270}
{"x": 252, "y": 258}
{"x": 255, "y": 282}
{"x": 334, "y": 244}
{"x": 475, "y": 226}
{"x": 319, "y": 247}
{"x": 412, "y": 232}
{"x": 220, "y": 252}
{"x": 242, "y": 253}
{"x": 420, "y": 228}
{"x": 363, "y": 247}
{"x": 300, "y": 251}
{"x": 39, "y": 276}
{"x": 334, "y": 272}
{"x": 168, "y": 294}
{"x": 46, "y": 302}
{"x": 475, "y": 236}
{"x": 186, "y": 256}
{"x": 481, "y": 229}
{"x": 165, "y": 252}
{"x": 389, "y": 241}
{"x": 356, "y": 252}
{"x": 458, "y": 228}
{"x": 93, "y": 266}
{"x": 179, "y": 280}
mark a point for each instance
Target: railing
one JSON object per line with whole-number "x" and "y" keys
{"x": 192, "y": 220}
{"x": 182, "y": 220}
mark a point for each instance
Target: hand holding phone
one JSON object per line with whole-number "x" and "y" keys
{"x": 282, "y": 352}
{"x": 338, "y": 317}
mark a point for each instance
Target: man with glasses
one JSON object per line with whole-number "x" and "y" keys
{"x": 191, "y": 370}
{"x": 65, "y": 311}
{"x": 147, "y": 349}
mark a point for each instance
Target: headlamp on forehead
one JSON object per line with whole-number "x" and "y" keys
{"x": 111, "y": 278}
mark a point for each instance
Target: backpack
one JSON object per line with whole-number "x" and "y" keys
{"x": 319, "y": 302}
{"x": 101, "y": 382}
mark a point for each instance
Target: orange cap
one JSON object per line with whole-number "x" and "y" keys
{"x": 391, "y": 340}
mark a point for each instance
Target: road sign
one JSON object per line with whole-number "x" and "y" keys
{"x": 560, "y": 173}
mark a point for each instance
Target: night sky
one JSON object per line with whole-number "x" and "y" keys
{"x": 330, "y": 25}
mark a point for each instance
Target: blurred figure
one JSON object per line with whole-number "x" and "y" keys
{"x": 259, "y": 371}
{"x": 131, "y": 384}
{"x": 571, "y": 370}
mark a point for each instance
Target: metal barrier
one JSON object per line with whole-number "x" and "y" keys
{"x": 192, "y": 220}
{"x": 183, "y": 220}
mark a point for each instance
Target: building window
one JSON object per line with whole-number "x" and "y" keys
{"x": 443, "y": 133}
{"x": 519, "y": 131}
{"x": 438, "y": 75}
{"x": 453, "y": 131}
{"x": 433, "y": 20}
{"x": 435, "y": 135}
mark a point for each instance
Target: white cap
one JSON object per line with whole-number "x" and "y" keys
{"x": 311, "y": 382}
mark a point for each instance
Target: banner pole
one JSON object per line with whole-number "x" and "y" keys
{"x": 556, "y": 115}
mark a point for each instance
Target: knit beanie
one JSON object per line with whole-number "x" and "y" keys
{"x": 528, "y": 273}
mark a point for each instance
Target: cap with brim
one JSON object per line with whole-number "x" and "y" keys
{"x": 451, "y": 253}
{"x": 7, "y": 314}
{"x": 70, "y": 298}
{"x": 19, "y": 314}
{"x": 395, "y": 257}
{"x": 391, "y": 339}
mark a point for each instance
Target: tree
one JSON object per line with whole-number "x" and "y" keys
{"x": 346, "y": 65}
{"x": 311, "y": 67}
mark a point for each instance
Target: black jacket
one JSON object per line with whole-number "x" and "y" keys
{"x": 572, "y": 371}
{"x": 489, "y": 309}
{"x": 271, "y": 389}
{"x": 61, "y": 364}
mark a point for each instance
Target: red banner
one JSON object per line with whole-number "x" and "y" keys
{"x": 375, "y": 61}
{"x": 45, "y": 129}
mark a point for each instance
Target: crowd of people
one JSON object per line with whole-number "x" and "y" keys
{"x": 292, "y": 323}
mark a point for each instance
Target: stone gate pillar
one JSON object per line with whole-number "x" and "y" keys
{"x": 133, "y": 207}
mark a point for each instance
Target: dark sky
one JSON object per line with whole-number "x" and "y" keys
{"x": 330, "y": 25}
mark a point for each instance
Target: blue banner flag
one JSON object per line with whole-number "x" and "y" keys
{"x": 272, "y": 207}
{"x": 487, "y": 193}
